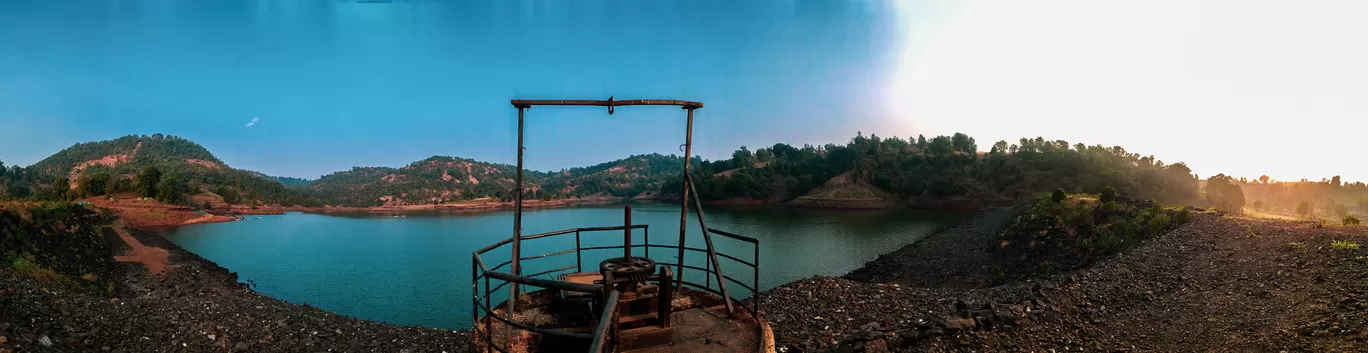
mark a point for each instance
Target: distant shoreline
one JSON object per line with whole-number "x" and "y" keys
{"x": 151, "y": 214}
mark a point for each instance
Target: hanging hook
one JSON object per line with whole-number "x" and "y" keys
{"x": 610, "y": 105}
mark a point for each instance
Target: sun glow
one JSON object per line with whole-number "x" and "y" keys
{"x": 1237, "y": 87}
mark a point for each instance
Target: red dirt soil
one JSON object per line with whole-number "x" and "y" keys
{"x": 150, "y": 213}
{"x": 156, "y": 259}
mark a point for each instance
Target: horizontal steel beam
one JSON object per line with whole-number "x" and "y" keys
{"x": 526, "y": 103}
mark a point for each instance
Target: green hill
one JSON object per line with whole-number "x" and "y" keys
{"x": 97, "y": 168}
{"x": 432, "y": 180}
{"x": 442, "y": 179}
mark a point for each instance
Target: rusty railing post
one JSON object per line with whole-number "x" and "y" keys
{"x": 517, "y": 219}
{"x": 474, "y": 301}
{"x": 684, "y": 194}
{"x": 627, "y": 232}
{"x": 489, "y": 323}
{"x": 579, "y": 259}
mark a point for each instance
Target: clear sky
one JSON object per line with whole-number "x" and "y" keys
{"x": 1242, "y": 87}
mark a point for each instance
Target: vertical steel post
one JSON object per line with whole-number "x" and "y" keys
{"x": 579, "y": 259}
{"x": 646, "y": 240}
{"x": 475, "y": 301}
{"x": 755, "y": 292}
{"x": 684, "y": 194}
{"x": 517, "y": 220}
{"x": 489, "y": 323}
{"x": 627, "y": 232}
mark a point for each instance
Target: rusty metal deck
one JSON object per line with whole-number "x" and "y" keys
{"x": 708, "y": 330}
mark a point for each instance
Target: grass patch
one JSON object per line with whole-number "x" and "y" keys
{"x": 26, "y": 266}
{"x": 1344, "y": 245}
{"x": 1350, "y": 220}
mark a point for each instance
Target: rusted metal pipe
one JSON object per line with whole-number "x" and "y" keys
{"x": 523, "y": 103}
{"x": 684, "y": 194}
{"x": 712, "y": 252}
{"x": 627, "y": 231}
{"x": 517, "y": 220}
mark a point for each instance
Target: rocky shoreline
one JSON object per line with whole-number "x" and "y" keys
{"x": 195, "y": 306}
{"x": 1217, "y": 283}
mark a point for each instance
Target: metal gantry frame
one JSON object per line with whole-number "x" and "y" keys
{"x": 713, "y": 267}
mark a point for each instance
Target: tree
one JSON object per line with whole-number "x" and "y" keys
{"x": 169, "y": 190}
{"x": 941, "y": 146}
{"x": 1258, "y": 205}
{"x": 1058, "y": 195}
{"x": 1304, "y": 208}
{"x": 1224, "y": 193}
{"x": 921, "y": 142}
{"x": 147, "y": 182}
{"x": 1341, "y": 210}
{"x": 742, "y": 157}
{"x": 763, "y": 154}
{"x": 1108, "y": 195}
{"x": 60, "y": 190}
{"x": 93, "y": 184}
{"x": 229, "y": 195}
{"x": 1335, "y": 181}
{"x": 964, "y": 143}
{"x": 1263, "y": 179}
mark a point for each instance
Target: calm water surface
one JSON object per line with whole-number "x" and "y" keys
{"x": 416, "y": 270}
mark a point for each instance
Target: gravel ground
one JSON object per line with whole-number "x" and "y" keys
{"x": 1217, "y": 283}
{"x": 195, "y": 306}
{"x": 957, "y": 257}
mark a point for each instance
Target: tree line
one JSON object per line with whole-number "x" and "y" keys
{"x": 942, "y": 167}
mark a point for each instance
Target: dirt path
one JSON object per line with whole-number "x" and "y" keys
{"x": 156, "y": 259}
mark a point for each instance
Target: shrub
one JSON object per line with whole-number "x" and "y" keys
{"x": 1108, "y": 195}
{"x": 1058, "y": 195}
{"x": 1350, "y": 220}
{"x": 1183, "y": 215}
{"x": 1344, "y": 245}
{"x": 1159, "y": 223}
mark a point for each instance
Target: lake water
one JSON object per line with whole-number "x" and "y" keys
{"x": 416, "y": 270}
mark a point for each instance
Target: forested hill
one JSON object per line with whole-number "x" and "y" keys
{"x": 169, "y": 168}
{"x": 433, "y": 180}
{"x": 944, "y": 167}
{"x": 441, "y": 179}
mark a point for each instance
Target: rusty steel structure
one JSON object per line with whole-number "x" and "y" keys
{"x": 625, "y": 290}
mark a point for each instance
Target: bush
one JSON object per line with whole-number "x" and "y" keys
{"x": 1058, "y": 196}
{"x": 1159, "y": 223}
{"x": 1183, "y": 215}
{"x": 1350, "y": 220}
{"x": 1108, "y": 195}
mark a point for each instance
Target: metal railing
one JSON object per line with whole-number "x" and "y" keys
{"x": 482, "y": 296}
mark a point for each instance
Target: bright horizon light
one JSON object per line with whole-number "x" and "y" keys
{"x": 1239, "y": 87}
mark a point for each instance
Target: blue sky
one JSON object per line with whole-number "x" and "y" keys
{"x": 336, "y": 85}
{"x": 1242, "y": 87}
